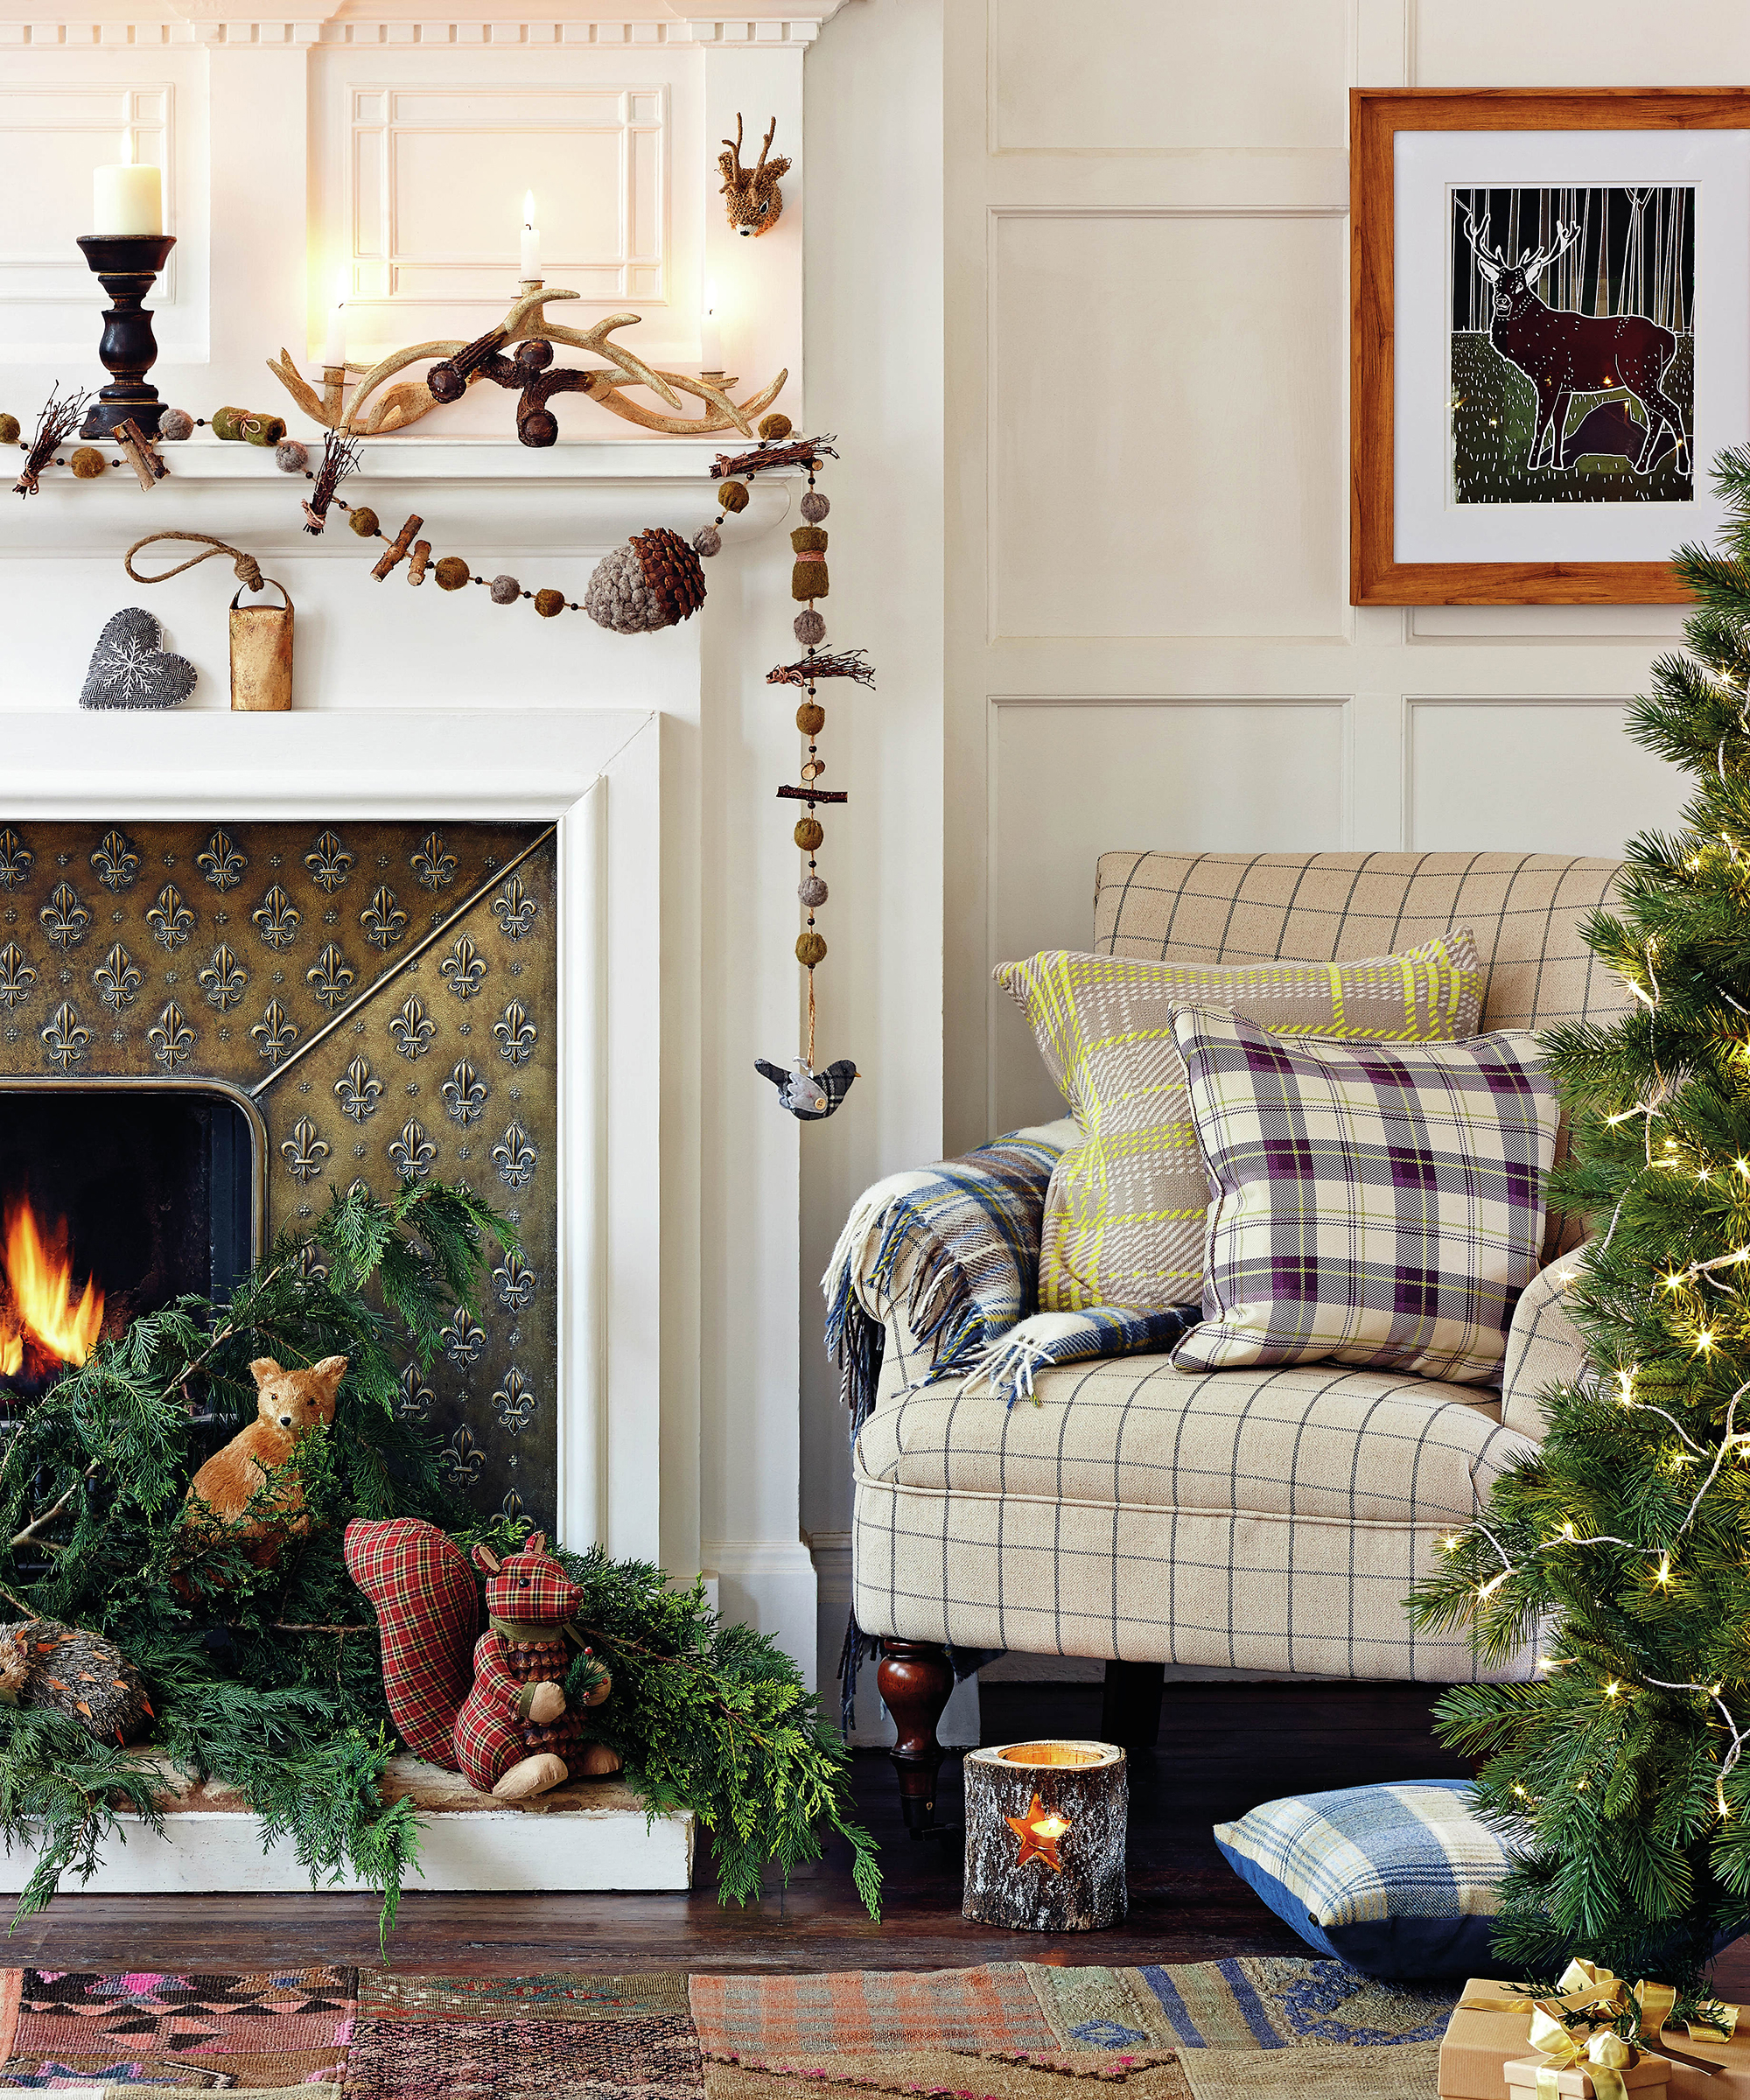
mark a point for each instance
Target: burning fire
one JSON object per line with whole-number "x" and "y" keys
{"x": 43, "y": 1319}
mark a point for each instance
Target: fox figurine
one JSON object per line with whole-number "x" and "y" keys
{"x": 290, "y": 1403}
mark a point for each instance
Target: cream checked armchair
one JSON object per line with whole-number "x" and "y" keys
{"x": 1266, "y": 1517}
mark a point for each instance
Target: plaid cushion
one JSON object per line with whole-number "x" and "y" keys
{"x": 1376, "y": 1204}
{"x": 428, "y": 1607}
{"x": 1125, "y": 1217}
{"x": 1399, "y": 1880}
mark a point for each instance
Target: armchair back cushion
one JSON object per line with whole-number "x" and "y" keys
{"x": 1526, "y": 910}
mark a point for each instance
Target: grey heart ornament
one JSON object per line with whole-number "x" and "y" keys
{"x": 131, "y": 668}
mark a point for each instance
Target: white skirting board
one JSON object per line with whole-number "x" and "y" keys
{"x": 592, "y": 1835}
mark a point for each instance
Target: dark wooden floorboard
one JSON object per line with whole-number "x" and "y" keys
{"x": 1223, "y": 1748}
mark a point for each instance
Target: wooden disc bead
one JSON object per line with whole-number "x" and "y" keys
{"x": 505, "y": 590}
{"x": 808, "y": 834}
{"x": 87, "y": 463}
{"x": 363, "y": 520}
{"x": 810, "y": 949}
{"x": 9, "y": 429}
{"x": 774, "y": 426}
{"x": 452, "y": 572}
{"x": 547, "y": 602}
{"x": 810, "y": 718}
{"x": 732, "y": 496}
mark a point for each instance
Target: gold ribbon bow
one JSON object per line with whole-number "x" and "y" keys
{"x": 1604, "y": 2056}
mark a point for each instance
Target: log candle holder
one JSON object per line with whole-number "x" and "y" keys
{"x": 125, "y": 265}
{"x": 1044, "y": 1836}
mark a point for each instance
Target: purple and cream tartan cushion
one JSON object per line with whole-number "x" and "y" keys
{"x": 1373, "y": 1203}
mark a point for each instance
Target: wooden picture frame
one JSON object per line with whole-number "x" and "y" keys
{"x": 1377, "y": 115}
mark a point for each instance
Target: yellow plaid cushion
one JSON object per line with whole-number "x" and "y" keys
{"x": 1125, "y": 1214}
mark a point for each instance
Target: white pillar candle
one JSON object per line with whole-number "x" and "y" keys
{"x": 530, "y": 247}
{"x": 335, "y": 345}
{"x": 126, "y": 198}
{"x": 710, "y": 337}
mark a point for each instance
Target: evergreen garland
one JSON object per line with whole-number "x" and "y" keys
{"x": 269, "y": 1679}
{"x": 1624, "y": 1536}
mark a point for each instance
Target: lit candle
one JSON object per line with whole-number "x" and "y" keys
{"x": 126, "y": 198}
{"x": 531, "y": 237}
{"x": 710, "y": 337}
{"x": 334, "y": 348}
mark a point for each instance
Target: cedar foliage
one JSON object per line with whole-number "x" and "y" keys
{"x": 270, "y": 1679}
{"x": 1619, "y": 1768}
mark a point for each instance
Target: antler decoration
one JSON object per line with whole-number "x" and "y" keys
{"x": 461, "y": 365}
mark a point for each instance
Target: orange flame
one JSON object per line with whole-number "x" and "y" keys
{"x": 39, "y": 1270}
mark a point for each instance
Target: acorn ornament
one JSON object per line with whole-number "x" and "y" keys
{"x": 656, "y": 580}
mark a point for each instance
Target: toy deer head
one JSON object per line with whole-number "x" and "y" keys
{"x": 755, "y": 201}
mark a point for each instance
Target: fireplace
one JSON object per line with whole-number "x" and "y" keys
{"x": 117, "y": 1197}
{"x": 207, "y": 1029}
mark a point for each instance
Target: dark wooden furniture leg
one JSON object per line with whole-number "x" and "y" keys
{"x": 1130, "y": 1711}
{"x": 916, "y": 1678}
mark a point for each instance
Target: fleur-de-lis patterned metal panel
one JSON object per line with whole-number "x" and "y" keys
{"x": 306, "y": 964}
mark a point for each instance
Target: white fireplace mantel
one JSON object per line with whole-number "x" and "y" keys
{"x": 596, "y": 776}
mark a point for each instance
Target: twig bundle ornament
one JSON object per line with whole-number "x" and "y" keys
{"x": 339, "y": 456}
{"x": 55, "y": 425}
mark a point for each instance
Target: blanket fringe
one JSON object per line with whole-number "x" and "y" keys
{"x": 1007, "y": 1368}
{"x": 941, "y": 1309}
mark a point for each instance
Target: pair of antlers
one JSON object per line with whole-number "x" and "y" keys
{"x": 1532, "y": 265}
{"x": 735, "y": 175}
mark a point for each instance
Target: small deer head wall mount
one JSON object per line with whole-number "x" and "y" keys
{"x": 755, "y": 201}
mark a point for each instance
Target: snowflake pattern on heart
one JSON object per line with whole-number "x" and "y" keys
{"x": 131, "y": 667}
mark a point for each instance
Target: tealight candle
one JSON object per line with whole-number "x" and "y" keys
{"x": 710, "y": 337}
{"x": 530, "y": 249}
{"x": 126, "y": 198}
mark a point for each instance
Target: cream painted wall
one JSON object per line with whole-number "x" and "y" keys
{"x": 1148, "y": 641}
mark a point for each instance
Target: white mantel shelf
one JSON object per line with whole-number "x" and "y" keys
{"x": 477, "y": 495}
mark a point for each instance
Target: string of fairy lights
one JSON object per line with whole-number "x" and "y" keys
{"x": 1700, "y": 1272}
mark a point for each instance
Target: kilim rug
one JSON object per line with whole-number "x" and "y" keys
{"x": 1246, "y": 2029}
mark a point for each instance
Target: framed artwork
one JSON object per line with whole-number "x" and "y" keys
{"x": 1550, "y": 338}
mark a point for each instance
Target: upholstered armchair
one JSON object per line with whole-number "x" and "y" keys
{"x": 1270, "y": 1517}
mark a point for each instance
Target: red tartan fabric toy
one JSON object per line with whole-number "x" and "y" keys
{"x": 498, "y": 1715}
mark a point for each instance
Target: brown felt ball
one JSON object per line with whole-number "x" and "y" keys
{"x": 87, "y": 463}
{"x": 810, "y": 718}
{"x": 732, "y": 496}
{"x": 290, "y": 457}
{"x": 547, "y": 602}
{"x": 363, "y": 520}
{"x": 452, "y": 572}
{"x": 707, "y": 541}
{"x": 810, "y": 949}
{"x": 9, "y": 429}
{"x": 814, "y": 506}
{"x": 175, "y": 424}
{"x": 773, "y": 427}
{"x": 810, "y": 628}
{"x": 505, "y": 590}
{"x": 808, "y": 834}
{"x": 812, "y": 891}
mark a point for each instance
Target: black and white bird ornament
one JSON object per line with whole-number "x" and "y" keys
{"x": 809, "y": 1096}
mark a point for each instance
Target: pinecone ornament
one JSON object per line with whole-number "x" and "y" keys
{"x": 654, "y": 581}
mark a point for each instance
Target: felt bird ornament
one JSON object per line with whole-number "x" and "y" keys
{"x": 809, "y": 1096}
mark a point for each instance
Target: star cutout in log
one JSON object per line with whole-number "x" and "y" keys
{"x": 1039, "y": 1834}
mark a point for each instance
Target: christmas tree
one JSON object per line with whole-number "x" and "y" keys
{"x": 1622, "y": 1545}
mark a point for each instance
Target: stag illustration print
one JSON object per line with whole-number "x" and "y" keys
{"x": 1581, "y": 300}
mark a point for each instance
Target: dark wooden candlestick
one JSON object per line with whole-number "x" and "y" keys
{"x": 125, "y": 265}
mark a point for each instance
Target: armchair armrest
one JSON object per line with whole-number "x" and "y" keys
{"x": 1543, "y": 1347}
{"x": 935, "y": 1264}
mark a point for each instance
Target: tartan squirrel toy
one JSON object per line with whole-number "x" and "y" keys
{"x": 493, "y": 1709}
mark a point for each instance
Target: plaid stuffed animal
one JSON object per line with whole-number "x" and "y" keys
{"x": 500, "y": 1716}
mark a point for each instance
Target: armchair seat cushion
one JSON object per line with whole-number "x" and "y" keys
{"x": 1314, "y": 1440}
{"x": 1264, "y": 1518}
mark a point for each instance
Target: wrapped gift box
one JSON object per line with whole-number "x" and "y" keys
{"x": 1648, "y": 2077}
{"x": 1479, "y": 2047}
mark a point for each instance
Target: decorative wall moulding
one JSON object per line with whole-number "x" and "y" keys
{"x": 211, "y": 22}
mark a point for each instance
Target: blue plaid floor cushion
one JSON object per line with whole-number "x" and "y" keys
{"x": 1399, "y": 1880}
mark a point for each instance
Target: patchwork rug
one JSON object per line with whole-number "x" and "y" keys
{"x": 1247, "y": 2029}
